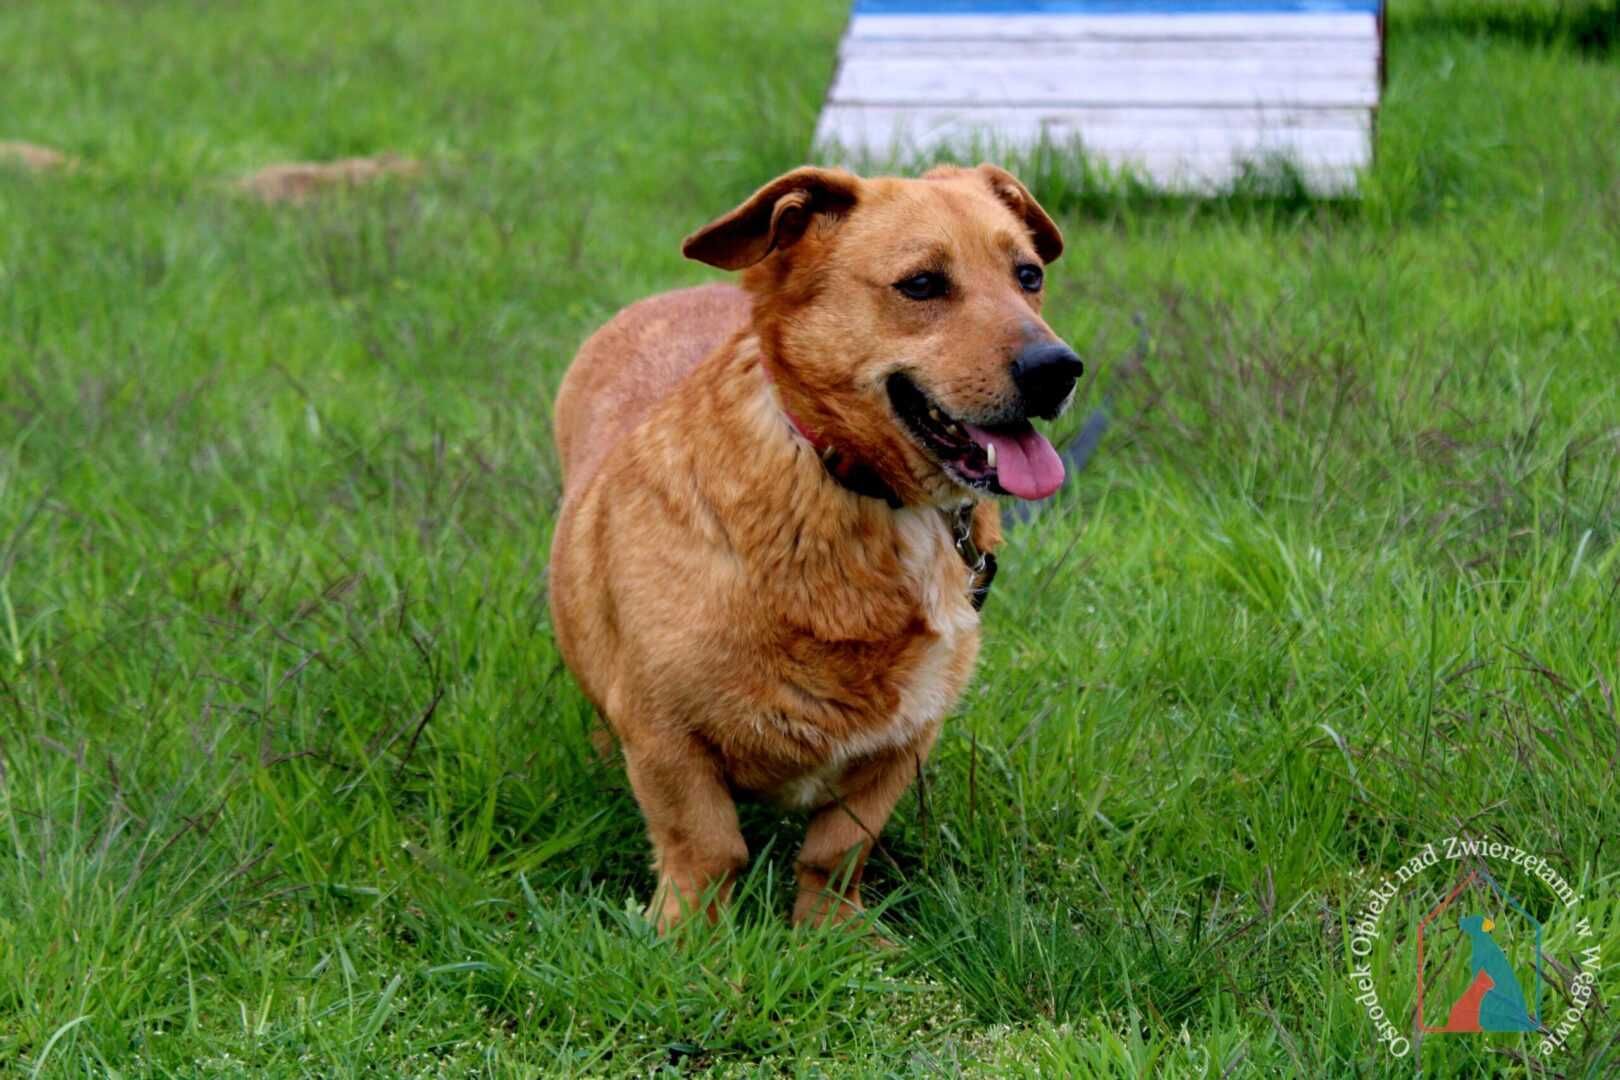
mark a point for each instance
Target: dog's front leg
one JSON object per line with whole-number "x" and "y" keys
{"x": 841, "y": 836}
{"x": 692, "y": 822}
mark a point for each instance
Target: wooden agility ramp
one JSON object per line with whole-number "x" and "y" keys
{"x": 1188, "y": 94}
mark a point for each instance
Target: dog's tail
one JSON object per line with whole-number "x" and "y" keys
{"x": 1077, "y": 452}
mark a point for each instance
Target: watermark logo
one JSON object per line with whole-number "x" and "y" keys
{"x": 1492, "y": 996}
{"x": 1462, "y": 954}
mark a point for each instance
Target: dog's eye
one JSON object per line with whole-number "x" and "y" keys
{"x": 1030, "y": 277}
{"x": 924, "y": 286}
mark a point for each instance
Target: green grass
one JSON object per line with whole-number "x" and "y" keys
{"x": 292, "y": 781}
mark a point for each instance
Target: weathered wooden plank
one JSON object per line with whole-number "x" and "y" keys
{"x": 1169, "y": 119}
{"x": 1125, "y": 131}
{"x": 1172, "y": 172}
{"x": 1217, "y": 174}
{"x": 1355, "y": 26}
{"x": 1348, "y": 55}
{"x": 1083, "y": 65}
{"x": 877, "y": 130}
{"x": 981, "y": 82}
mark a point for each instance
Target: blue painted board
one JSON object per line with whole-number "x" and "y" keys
{"x": 1117, "y": 7}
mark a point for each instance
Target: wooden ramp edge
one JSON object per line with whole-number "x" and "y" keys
{"x": 1188, "y": 94}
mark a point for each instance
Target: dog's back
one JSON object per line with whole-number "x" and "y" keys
{"x": 632, "y": 363}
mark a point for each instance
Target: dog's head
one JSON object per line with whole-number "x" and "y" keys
{"x": 901, "y": 320}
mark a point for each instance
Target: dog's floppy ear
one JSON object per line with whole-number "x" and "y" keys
{"x": 773, "y": 217}
{"x": 1048, "y": 240}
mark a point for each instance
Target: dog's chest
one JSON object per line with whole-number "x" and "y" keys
{"x": 921, "y": 683}
{"x": 939, "y": 580}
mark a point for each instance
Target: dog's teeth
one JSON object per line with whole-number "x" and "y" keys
{"x": 990, "y": 455}
{"x": 933, "y": 412}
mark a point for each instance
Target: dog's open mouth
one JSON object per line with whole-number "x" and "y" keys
{"x": 1007, "y": 458}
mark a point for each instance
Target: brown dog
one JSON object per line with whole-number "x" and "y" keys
{"x": 754, "y": 577}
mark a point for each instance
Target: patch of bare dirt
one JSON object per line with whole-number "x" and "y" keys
{"x": 299, "y": 181}
{"x": 34, "y": 157}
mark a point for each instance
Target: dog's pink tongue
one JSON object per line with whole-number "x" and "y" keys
{"x": 1026, "y": 464}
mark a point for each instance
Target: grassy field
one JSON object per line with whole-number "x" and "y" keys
{"x": 291, "y": 779}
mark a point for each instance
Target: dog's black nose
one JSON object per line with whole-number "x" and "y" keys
{"x": 1044, "y": 373}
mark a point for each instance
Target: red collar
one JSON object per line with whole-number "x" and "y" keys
{"x": 856, "y": 476}
{"x": 849, "y": 471}
{"x": 820, "y": 445}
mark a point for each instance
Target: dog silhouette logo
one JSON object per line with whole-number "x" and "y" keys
{"x": 1471, "y": 969}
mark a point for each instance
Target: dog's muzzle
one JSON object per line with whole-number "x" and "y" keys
{"x": 1045, "y": 374}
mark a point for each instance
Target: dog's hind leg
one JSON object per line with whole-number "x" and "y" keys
{"x": 698, "y": 848}
{"x": 841, "y": 836}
